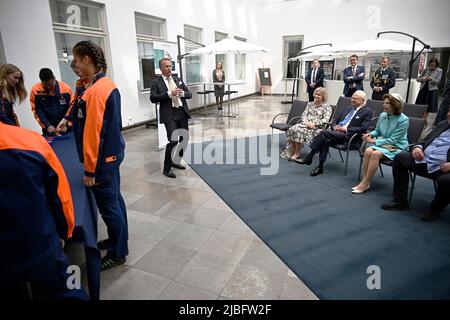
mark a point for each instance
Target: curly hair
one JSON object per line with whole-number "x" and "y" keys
{"x": 93, "y": 51}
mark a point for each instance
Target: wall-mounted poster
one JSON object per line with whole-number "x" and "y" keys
{"x": 165, "y": 49}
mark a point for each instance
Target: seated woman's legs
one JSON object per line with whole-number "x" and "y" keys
{"x": 297, "y": 147}
{"x": 371, "y": 162}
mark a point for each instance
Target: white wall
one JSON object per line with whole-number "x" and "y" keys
{"x": 346, "y": 21}
{"x": 29, "y": 43}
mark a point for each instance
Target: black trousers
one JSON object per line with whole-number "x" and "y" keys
{"x": 179, "y": 120}
{"x": 324, "y": 140}
{"x": 403, "y": 163}
{"x": 311, "y": 94}
{"x": 379, "y": 95}
{"x": 350, "y": 92}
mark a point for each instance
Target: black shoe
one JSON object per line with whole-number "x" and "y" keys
{"x": 307, "y": 160}
{"x": 396, "y": 205}
{"x": 110, "y": 262}
{"x": 220, "y": 108}
{"x": 169, "y": 174}
{"x": 103, "y": 244}
{"x": 429, "y": 216}
{"x": 317, "y": 171}
{"x": 178, "y": 166}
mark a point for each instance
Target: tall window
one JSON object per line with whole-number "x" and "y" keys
{"x": 148, "y": 29}
{"x": 239, "y": 63}
{"x": 75, "y": 21}
{"x": 221, "y": 57}
{"x": 193, "y": 63}
{"x": 291, "y": 47}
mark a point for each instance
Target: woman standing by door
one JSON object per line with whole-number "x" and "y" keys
{"x": 219, "y": 89}
{"x": 429, "y": 79}
{"x": 11, "y": 88}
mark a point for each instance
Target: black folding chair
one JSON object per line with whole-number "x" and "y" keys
{"x": 376, "y": 106}
{"x": 413, "y": 176}
{"x": 342, "y": 103}
{"x": 294, "y": 116}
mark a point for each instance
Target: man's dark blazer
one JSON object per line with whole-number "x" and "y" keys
{"x": 384, "y": 84}
{"x": 437, "y": 131}
{"x": 359, "y": 123}
{"x": 358, "y": 80}
{"x": 158, "y": 93}
{"x": 320, "y": 75}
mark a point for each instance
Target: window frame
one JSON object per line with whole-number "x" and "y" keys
{"x": 242, "y": 56}
{"x": 148, "y": 39}
{"x": 193, "y": 46}
{"x": 66, "y": 29}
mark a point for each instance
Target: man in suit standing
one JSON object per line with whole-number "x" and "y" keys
{"x": 171, "y": 93}
{"x": 314, "y": 79}
{"x": 429, "y": 158}
{"x": 382, "y": 80}
{"x": 445, "y": 105}
{"x": 353, "y": 119}
{"x": 353, "y": 77}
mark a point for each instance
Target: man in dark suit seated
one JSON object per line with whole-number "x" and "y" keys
{"x": 171, "y": 93}
{"x": 314, "y": 79}
{"x": 429, "y": 158}
{"x": 353, "y": 77}
{"x": 351, "y": 120}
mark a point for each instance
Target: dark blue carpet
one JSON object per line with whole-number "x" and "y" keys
{"x": 329, "y": 237}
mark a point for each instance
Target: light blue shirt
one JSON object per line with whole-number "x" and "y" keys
{"x": 436, "y": 152}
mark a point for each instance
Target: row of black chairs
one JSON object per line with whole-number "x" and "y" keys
{"x": 294, "y": 115}
{"x": 414, "y": 112}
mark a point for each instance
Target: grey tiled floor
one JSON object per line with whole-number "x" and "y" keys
{"x": 185, "y": 242}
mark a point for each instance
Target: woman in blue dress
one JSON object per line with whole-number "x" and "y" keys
{"x": 389, "y": 138}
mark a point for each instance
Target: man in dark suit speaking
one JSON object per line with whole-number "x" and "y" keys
{"x": 354, "y": 119}
{"x": 429, "y": 158}
{"x": 171, "y": 93}
{"x": 314, "y": 79}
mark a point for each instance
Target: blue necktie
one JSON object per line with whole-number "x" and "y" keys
{"x": 348, "y": 117}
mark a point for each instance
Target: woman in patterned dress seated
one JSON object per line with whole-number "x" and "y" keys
{"x": 315, "y": 116}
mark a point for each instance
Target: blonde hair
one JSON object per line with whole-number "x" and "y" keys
{"x": 11, "y": 93}
{"x": 323, "y": 93}
{"x": 396, "y": 102}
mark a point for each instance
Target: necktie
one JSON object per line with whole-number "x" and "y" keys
{"x": 314, "y": 76}
{"x": 175, "y": 100}
{"x": 348, "y": 117}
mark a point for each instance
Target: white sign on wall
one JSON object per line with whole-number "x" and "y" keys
{"x": 166, "y": 50}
